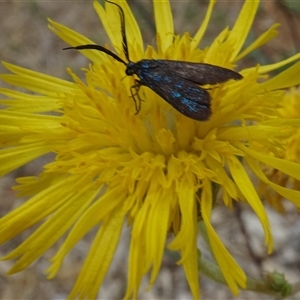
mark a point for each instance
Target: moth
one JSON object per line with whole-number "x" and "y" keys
{"x": 177, "y": 82}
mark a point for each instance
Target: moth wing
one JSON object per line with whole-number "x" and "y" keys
{"x": 199, "y": 73}
{"x": 185, "y": 96}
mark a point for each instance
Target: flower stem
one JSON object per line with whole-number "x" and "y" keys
{"x": 272, "y": 284}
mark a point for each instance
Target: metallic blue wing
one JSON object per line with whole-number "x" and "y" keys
{"x": 185, "y": 96}
{"x": 199, "y": 73}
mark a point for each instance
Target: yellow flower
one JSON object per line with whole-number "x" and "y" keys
{"x": 155, "y": 170}
{"x": 290, "y": 110}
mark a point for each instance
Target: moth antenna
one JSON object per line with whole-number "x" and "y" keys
{"x": 124, "y": 38}
{"x": 99, "y": 48}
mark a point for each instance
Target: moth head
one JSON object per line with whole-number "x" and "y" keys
{"x": 131, "y": 68}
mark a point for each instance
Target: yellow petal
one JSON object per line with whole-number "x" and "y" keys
{"x": 286, "y": 167}
{"x": 33, "y": 210}
{"x": 110, "y": 19}
{"x": 73, "y": 38}
{"x": 242, "y": 180}
{"x": 35, "y": 81}
{"x": 262, "y": 39}
{"x": 28, "y": 103}
{"x": 186, "y": 197}
{"x": 157, "y": 228}
{"x": 99, "y": 257}
{"x": 86, "y": 220}
{"x": 199, "y": 35}
{"x": 232, "y": 272}
{"x": 164, "y": 23}
{"x": 51, "y": 230}
{"x": 287, "y": 78}
{"x": 269, "y": 68}
{"x": 190, "y": 265}
{"x": 12, "y": 159}
{"x": 243, "y": 25}
{"x": 287, "y": 193}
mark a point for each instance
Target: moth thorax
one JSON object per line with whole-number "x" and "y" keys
{"x": 131, "y": 68}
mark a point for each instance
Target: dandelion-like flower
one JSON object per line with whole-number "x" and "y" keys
{"x": 155, "y": 170}
{"x": 289, "y": 110}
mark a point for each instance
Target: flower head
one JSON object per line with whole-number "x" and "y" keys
{"x": 289, "y": 110}
{"x": 155, "y": 170}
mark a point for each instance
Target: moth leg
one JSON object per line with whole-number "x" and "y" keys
{"x": 134, "y": 90}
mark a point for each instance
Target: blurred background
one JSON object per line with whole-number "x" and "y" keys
{"x": 25, "y": 40}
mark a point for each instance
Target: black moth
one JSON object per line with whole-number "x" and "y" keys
{"x": 175, "y": 81}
